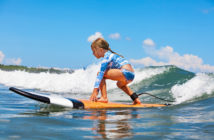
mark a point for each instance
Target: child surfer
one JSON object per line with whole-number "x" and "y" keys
{"x": 113, "y": 67}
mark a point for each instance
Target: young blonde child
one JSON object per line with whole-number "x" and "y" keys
{"x": 114, "y": 67}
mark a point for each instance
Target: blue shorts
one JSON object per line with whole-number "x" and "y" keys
{"x": 129, "y": 75}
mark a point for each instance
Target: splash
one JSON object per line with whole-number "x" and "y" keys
{"x": 80, "y": 81}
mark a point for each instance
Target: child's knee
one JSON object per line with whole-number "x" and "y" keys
{"x": 120, "y": 84}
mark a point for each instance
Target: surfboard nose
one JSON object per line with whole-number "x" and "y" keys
{"x": 30, "y": 95}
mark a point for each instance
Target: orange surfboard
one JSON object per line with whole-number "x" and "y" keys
{"x": 93, "y": 105}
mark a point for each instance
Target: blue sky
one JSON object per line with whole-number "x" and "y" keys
{"x": 55, "y": 33}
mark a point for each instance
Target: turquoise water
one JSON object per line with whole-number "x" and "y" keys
{"x": 190, "y": 117}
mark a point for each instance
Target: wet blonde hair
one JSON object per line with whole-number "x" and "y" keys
{"x": 101, "y": 43}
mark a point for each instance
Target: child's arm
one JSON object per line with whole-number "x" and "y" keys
{"x": 104, "y": 66}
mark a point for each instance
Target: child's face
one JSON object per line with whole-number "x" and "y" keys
{"x": 97, "y": 52}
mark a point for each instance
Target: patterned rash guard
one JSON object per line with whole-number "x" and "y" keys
{"x": 110, "y": 61}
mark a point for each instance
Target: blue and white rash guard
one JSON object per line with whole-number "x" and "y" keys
{"x": 110, "y": 61}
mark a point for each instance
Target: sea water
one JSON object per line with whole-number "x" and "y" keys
{"x": 191, "y": 116}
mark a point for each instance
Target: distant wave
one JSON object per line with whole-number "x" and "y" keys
{"x": 34, "y": 70}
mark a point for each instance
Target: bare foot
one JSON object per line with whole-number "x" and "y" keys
{"x": 102, "y": 100}
{"x": 137, "y": 101}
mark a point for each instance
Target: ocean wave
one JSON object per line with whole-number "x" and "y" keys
{"x": 80, "y": 81}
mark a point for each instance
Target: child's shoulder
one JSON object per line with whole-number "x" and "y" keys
{"x": 108, "y": 54}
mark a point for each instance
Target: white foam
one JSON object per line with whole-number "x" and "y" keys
{"x": 196, "y": 87}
